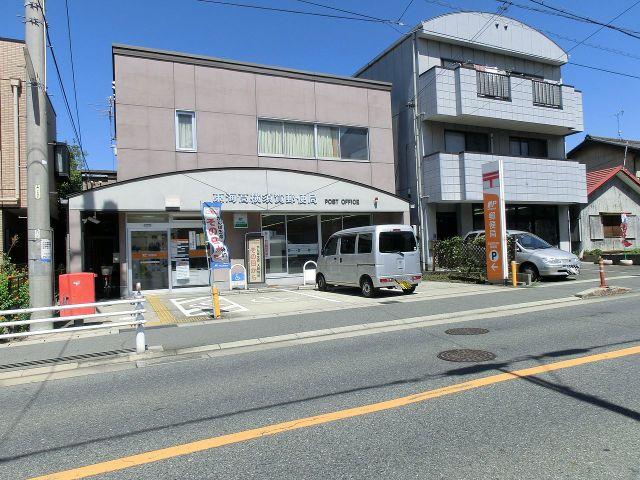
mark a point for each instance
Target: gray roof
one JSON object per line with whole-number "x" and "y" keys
{"x": 616, "y": 142}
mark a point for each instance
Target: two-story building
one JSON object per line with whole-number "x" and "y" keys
{"x": 469, "y": 88}
{"x": 292, "y": 155}
{"x": 13, "y": 151}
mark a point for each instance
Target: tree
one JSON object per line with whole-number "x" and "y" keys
{"x": 73, "y": 184}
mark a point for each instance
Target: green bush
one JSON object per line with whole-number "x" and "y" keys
{"x": 14, "y": 290}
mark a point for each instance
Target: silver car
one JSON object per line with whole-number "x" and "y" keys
{"x": 374, "y": 257}
{"x": 537, "y": 257}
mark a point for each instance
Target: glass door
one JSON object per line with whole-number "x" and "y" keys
{"x": 189, "y": 266}
{"x": 149, "y": 259}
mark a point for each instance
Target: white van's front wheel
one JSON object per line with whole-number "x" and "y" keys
{"x": 321, "y": 282}
{"x": 366, "y": 287}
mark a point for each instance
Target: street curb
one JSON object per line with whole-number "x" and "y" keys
{"x": 157, "y": 355}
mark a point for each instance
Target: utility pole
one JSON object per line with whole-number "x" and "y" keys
{"x": 39, "y": 234}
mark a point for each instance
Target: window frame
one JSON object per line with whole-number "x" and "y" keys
{"x": 611, "y": 231}
{"x": 194, "y": 133}
{"x": 360, "y": 235}
{"x": 465, "y": 133}
{"x": 355, "y": 243}
{"x": 520, "y": 140}
{"x": 315, "y": 140}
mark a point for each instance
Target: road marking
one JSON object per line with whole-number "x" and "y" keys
{"x": 163, "y": 314}
{"x": 215, "y": 442}
{"x": 199, "y": 306}
{"x": 318, "y": 297}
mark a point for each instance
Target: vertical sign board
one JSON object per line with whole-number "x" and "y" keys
{"x": 494, "y": 221}
{"x": 255, "y": 258}
{"x": 214, "y": 231}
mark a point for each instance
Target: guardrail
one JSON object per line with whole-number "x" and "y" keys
{"x": 136, "y": 313}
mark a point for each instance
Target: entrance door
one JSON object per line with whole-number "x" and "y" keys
{"x": 149, "y": 259}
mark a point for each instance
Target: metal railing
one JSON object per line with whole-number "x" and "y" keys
{"x": 136, "y": 314}
{"x": 493, "y": 85}
{"x": 546, "y": 94}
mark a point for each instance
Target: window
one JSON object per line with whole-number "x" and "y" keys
{"x": 493, "y": 85}
{"x": 611, "y": 225}
{"x": 392, "y": 242}
{"x": 353, "y": 143}
{"x": 365, "y": 241}
{"x": 304, "y": 140}
{"x": 285, "y": 138}
{"x": 331, "y": 247}
{"x": 347, "y": 143}
{"x": 528, "y": 147}
{"x": 185, "y": 131}
{"x": 348, "y": 244}
{"x": 456, "y": 142}
{"x": 546, "y": 94}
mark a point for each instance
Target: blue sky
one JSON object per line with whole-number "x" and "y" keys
{"x": 309, "y": 43}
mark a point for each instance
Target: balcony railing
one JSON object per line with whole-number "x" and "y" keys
{"x": 546, "y": 94}
{"x": 493, "y": 85}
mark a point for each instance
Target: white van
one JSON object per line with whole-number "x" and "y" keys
{"x": 371, "y": 258}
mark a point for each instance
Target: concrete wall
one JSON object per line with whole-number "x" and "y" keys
{"x": 458, "y": 177}
{"x": 396, "y": 67}
{"x": 614, "y": 196}
{"x": 433, "y": 51}
{"x": 227, "y": 104}
{"x": 454, "y": 94}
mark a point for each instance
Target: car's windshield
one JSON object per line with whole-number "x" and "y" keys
{"x": 397, "y": 242}
{"x": 531, "y": 242}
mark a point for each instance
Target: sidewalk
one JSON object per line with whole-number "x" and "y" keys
{"x": 285, "y": 313}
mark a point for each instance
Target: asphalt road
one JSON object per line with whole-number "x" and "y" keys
{"x": 579, "y": 421}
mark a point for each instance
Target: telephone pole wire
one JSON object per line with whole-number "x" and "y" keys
{"x": 39, "y": 233}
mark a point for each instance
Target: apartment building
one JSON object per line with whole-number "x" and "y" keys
{"x": 473, "y": 87}
{"x": 13, "y": 151}
{"x": 291, "y": 155}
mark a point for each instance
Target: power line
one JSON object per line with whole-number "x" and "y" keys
{"x": 297, "y": 12}
{"x": 62, "y": 89}
{"x": 378, "y": 19}
{"x": 558, "y": 12}
{"x": 73, "y": 70}
{"x": 405, "y": 10}
{"x": 344, "y": 11}
{"x": 572, "y": 48}
{"x": 594, "y": 45}
{"x": 605, "y": 70}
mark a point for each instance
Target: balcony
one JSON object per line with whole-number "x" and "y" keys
{"x": 464, "y": 95}
{"x": 458, "y": 178}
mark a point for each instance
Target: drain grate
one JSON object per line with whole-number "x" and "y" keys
{"x": 389, "y": 302}
{"x": 466, "y": 331}
{"x": 466, "y": 355}
{"x": 70, "y": 358}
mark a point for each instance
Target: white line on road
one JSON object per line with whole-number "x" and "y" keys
{"x": 312, "y": 296}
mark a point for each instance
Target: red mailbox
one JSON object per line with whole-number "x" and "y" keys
{"x": 76, "y": 288}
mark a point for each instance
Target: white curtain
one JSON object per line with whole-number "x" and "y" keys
{"x": 328, "y": 142}
{"x": 270, "y": 138}
{"x": 185, "y": 131}
{"x": 298, "y": 140}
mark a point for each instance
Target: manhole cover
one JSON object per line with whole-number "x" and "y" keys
{"x": 466, "y": 331}
{"x": 466, "y": 355}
